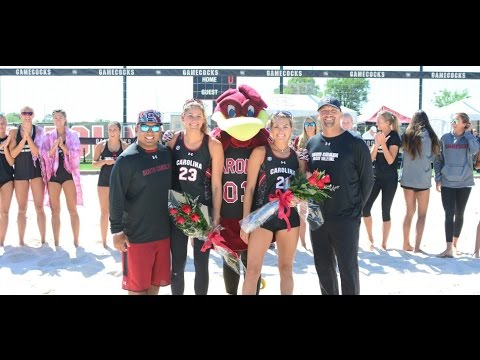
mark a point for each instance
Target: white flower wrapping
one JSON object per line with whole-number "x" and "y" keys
{"x": 310, "y": 212}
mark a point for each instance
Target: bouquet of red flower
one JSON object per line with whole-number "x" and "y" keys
{"x": 191, "y": 217}
{"x": 312, "y": 191}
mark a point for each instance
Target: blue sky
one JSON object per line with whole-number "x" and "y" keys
{"x": 91, "y": 98}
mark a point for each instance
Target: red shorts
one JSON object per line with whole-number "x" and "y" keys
{"x": 146, "y": 264}
{"x": 231, "y": 234}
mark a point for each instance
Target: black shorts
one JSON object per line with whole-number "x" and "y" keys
{"x": 4, "y": 182}
{"x": 104, "y": 176}
{"x": 276, "y": 224}
{"x": 412, "y": 188}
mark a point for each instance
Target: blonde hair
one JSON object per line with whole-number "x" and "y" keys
{"x": 303, "y": 137}
{"x": 195, "y": 103}
{"x": 391, "y": 119}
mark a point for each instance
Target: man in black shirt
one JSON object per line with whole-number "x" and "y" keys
{"x": 140, "y": 223}
{"x": 346, "y": 159}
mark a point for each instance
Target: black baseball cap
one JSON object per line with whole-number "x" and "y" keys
{"x": 329, "y": 100}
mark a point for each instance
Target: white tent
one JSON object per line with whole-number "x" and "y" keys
{"x": 440, "y": 117}
{"x": 298, "y": 105}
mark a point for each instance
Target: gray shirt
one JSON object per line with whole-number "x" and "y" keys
{"x": 417, "y": 173}
{"x": 454, "y": 165}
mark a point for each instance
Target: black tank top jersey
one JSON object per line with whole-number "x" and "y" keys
{"x": 6, "y": 171}
{"x": 24, "y": 168}
{"x": 380, "y": 165}
{"x": 192, "y": 170}
{"x": 106, "y": 170}
{"x": 273, "y": 175}
{"x": 62, "y": 174}
{"x": 234, "y": 181}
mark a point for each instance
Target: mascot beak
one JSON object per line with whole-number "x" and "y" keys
{"x": 241, "y": 128}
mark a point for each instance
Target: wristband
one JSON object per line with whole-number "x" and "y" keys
{"x": 118, "y": 233}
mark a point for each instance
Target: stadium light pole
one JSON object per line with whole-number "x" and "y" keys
{"x": 125, "y": 97}
{"x": 281, "y": 80}
{"x": 420, "y": 95}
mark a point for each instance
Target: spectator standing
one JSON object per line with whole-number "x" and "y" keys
{"x": 6, "y": 178}
{"x": 454, "y": 177}
{"x": 347, "y": 124}
{"x": 61, "y": 158}
{"x": 420, "y": 146}
{"x": 25, "y": 146}
{"x": 383, "y": 153}
{"x": 105, "y": 154}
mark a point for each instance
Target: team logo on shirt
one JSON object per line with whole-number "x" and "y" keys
{"x": 177, "y": 147}
{"x": 269, "y": 158}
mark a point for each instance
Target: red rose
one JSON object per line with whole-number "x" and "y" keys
{"x": 172, "y": 211}
{"x": 320, "y": 184}
{"x": 186, "y": 209}
{"x": 194, "y": 217}
{"x": 180, "y": 220}
{"x": 326, "y": 179}
{"x": 312, "y": 180}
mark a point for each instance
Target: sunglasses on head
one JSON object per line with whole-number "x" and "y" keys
{"x": 287, "y": 114}
{"x": 27, "y": 113}
{"x": 309, "y": 124}
{"x": 154, "y": 128}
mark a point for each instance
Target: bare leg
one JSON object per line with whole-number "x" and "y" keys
{"x": 449, "y": 252}
{"x": 71, "y": 198}
{"x": 103, "y": 197}
{"x": 21, "y": 193}
{"x": 6, "y": 193}
{"x": 302, "y": 211}
{"x": 476, "y": 253}
{"x": 153, "y": 290}
{"x": 410, "y": 203}
{"x": 367, "y": 220}
{"x": 423, "y": 198}
{"x": 287, "y": 246}
{"x": 54, "y": 190}
{"x": 302, "y": 231}
{"x": 258, "y": 243}
{"x": 386, "y": 231}
{"x": 455, "y": 244}
{"x": 38, "y": 192}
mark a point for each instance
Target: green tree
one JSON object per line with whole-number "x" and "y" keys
{"x": 301, "y": 85}
{"x": 13, "y": 118}
{"x": 447, "y": 97}
{"x": 352, "y": 93}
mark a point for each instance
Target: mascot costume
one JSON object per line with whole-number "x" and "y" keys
{"x": 241, "y": 117}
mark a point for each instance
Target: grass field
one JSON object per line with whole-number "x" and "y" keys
{"x": 87, "y": 166}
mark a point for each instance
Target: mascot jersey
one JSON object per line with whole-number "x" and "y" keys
{"x": 241, "y": 119}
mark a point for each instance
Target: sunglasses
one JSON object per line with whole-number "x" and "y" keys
{"x": 309, "y": 124}
{"x": 283, "y": 113}
{"x": 27, "y": 113}
{"x": 154, "y": 128}
{"x": 454, "y": 121}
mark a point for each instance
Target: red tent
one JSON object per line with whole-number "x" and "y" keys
{"x": 401, "y": 118}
